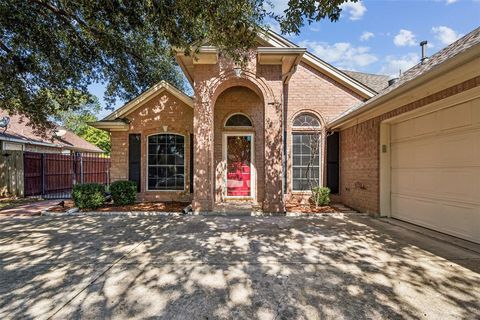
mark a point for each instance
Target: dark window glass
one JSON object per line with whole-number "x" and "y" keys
{"x": 305, "y": 166}
{"x": 238, "y": 120}
{"x": 306, "y": 120}
{"x": 166, "y": 159}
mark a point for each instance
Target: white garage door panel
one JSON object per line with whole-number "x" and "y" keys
{"x": 457, "y": 220}
{"x": 435, "y": 170}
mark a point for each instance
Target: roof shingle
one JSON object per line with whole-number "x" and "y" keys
{"x": 19, "y": 129}
{"x": 376, "y": 82}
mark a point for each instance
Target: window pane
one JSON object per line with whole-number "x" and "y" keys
{"x": 152, "y": 159}
{"x": 238, "y": 120}
{"x": 152, "y": 172}
{"x": 305, "y": 164}
{"x": 166, "y": 159}
{"x": 297, "y": 160}
{"x": 306, "y": 120}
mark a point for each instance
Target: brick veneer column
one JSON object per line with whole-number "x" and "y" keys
{"x": 203, "y": 154}
{"x": 274, "y": 201}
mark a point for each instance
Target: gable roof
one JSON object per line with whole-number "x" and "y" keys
{"x": 18, "y": 131}
{"x": 459, "y": 48}
{"x": 156, "y": 89}
{"x": 377, "y": 82}
{"x": 274, "y": 39}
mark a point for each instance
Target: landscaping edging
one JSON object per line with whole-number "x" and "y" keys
{"x": 111, "y": 213}
{"x": 73, "y": 213}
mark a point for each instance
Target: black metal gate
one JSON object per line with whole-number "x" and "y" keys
{"x": 52, "y": 175}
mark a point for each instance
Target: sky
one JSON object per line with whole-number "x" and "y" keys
{"x": 379, "y": 37}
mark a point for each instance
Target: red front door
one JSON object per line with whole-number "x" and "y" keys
{"x": 239, "y": 166}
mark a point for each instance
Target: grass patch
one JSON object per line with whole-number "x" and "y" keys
{"x": 9, "y": 203}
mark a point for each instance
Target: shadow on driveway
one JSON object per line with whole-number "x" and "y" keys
{"x": 349, "y": 267}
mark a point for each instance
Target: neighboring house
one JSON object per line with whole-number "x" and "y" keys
{"x": 246, "y": 134}
{"x": 32, "y": 163}
{"x": 413, "y": 151}
{"x": 20, "y": 136}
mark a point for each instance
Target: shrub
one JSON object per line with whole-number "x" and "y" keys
{"x": 123, "y": 192}
{"x": 88, "y": 195}
{"x": 321, "y": 196}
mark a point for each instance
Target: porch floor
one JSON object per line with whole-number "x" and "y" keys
{"x": 243, "y": 208}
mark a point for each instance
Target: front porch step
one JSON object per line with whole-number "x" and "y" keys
{"x": 240, "y": 208}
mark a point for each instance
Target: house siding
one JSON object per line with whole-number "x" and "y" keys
{"x": 360, "y": 152}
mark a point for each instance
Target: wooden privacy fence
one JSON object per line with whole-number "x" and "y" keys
{"x": 11, "y": 173}
{"x": 52, "y": 175}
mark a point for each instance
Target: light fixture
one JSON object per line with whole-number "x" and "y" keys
{"x": 237, "y": 70}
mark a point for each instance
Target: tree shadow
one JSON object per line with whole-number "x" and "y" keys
{"x": 231, "y": 267}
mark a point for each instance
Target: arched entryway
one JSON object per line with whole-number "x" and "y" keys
{"x": 239, "y": 146}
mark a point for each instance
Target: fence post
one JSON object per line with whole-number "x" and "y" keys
{"x": 74, "y": 168}
{"x": 43, "y": 173}
{"x": 81, "y": 168}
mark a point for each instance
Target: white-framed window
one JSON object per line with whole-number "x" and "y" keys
{"x": 306, "y": 146}
{"x": 166, "y": 162}
{"x": 306, "y": 120}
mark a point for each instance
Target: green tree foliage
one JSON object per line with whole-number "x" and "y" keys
{"x": 76, "y": 120}
{"x": 51, "y": 50}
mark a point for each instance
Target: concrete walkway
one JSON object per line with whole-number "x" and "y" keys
{"x": 29, "y": 209}
{"x": 195, "y": 267}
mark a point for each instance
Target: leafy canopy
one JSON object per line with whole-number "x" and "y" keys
{"x": 77, "y": 121}
{"x": 52, "y": 50}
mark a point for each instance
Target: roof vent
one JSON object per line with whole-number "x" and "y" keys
{"x": 423, "y": 44}
{"x": 392, "y": 81}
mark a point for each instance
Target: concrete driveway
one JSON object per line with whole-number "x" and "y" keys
{"x": 349, "y": 267}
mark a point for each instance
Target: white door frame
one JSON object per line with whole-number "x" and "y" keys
{"x": 253, "y": 171}
{"x": 385, "y": 170}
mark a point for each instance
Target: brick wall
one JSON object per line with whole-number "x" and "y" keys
{"x": 312, "y": 91}
{"x": 163, "y": 113}
{"x": 360, "y": 154}
{"x": 210, "y": 81}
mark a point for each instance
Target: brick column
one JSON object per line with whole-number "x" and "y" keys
{"x": 203, "y": 155}
{"x": 274, "y": 201}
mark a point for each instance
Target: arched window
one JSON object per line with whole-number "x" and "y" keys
{"x": 306, "y": 120}
{"x": 306, "y": 146}
{"x": 238, "y": 120}
{"x": 166, "y": 162}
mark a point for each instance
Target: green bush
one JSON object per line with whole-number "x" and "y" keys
{"x": 88, "y": 195}
{"x": 321, "y": 196}
{"x": 123, "y": 192}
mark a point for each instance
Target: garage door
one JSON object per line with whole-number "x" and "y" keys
{"x": 435, "y": 170}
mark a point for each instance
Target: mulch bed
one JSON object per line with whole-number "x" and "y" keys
{"x": 141, "y": 206}
{"x": 308, "y": 208}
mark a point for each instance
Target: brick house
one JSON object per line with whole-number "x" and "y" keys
{"x": 256, "y": 132}
{"x": 240, "y": 137}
